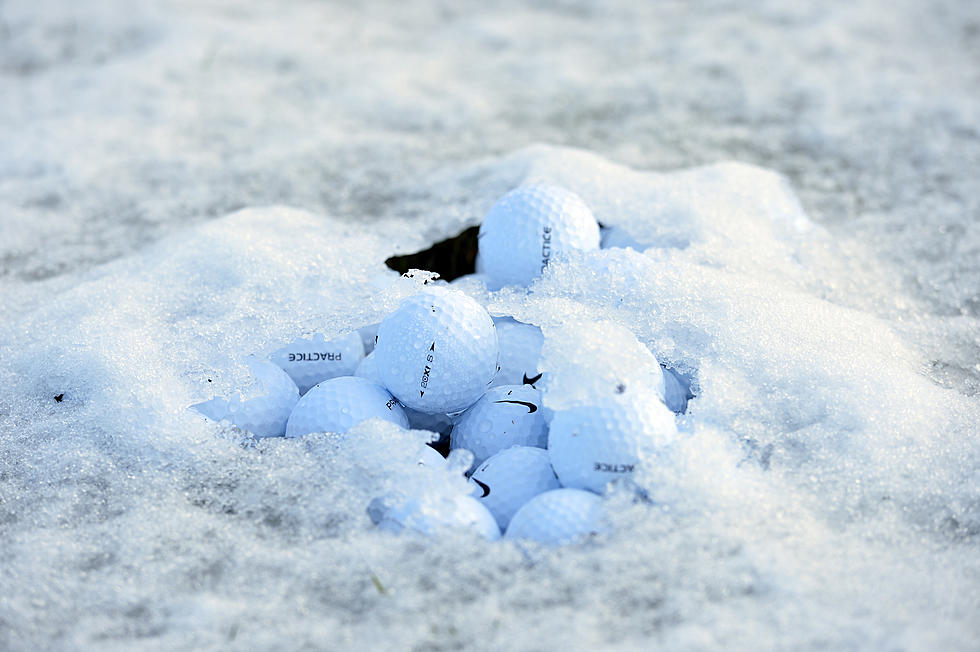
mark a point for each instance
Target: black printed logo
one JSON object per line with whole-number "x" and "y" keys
{"x": 486, "y": 489}
{"x": 531, "y": 381}
{"x": 613, "y": 468}
{"x": 531, "y": 407}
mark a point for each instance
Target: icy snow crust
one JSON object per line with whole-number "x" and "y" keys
{"x": 825, "y": 493}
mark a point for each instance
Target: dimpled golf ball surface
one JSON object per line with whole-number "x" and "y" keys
{"x": 512, "y": 477}
{"x": 264, "y": 415}
{"x": 591, "y": 445}
{"x": 527, "y": 227}
{"x": 368, "y": 368}
{"x": 437, "y": 353}
{"x": 309, "y": 361}
{"x": 509, "y": 415}
{"x": 430, "y": 513}
{"x": 338, "y": 404}
{"x": 557, "y": 517}
{"x": 520, "y": 350}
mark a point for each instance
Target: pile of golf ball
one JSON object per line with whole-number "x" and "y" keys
{"x": 440, "y": 362}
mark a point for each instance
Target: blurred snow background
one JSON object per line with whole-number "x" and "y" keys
{"x": 831, "y": 494}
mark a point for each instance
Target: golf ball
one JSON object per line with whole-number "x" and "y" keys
{"x": 591, "y": 445}
{"x": 527, "y": 228}
{"x": 338, "y": 404}
{"x": 510, "y": 478}
{"x": 431, "y": 512}
{"x": 437, "y": 352}
{"x": 310, "y": 361}
{"x": 368, "y": 368}
{"x": 506, "y": 416}
{"x": 557, "y": 517}
{"x": 520, "y": 350}
{"x": 264, "y": 415}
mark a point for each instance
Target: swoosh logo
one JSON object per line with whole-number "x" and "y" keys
{"x": 531, "y": 381}
{"x": 531, "y": 407}
{"x": 486, "y": 489}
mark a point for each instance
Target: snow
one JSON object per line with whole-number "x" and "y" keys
{"x": 184, "y": 186}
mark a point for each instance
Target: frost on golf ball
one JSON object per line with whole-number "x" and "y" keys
{"x": 509, "y": 415}
{"x": 528, "y": 227}
{"x": 338, "y": 404}
{"x": 520, "y": 350}
{"x": 431, "y": 512}
{"x": 512, "y": 477}
{"x": 591, "y": 445}
{"x": 263, "y": 415}
{"x": 437, "y": 352}
{"x": 309, "y": 361}
{"x": 557, "y": 517}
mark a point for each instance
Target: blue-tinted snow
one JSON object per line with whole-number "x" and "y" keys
{"x": 823, "y": 292}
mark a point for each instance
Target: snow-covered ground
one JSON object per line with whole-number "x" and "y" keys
{"x": 828, "y": 492}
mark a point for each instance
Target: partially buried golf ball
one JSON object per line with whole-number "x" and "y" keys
{"x": 520, "y": 350}
{"x": 309, "y": 361}
{"x": 557, "y": 517}
{"x": 266, "y": 413}
{"x": 338, "y": 404}
{"x": 510, "y": 478}
{"x": 527, "y": 228}
{"x": 437, "y": 353}
{"x": 431, "y": 512}
{"x": 508, "y": 415}
{"x": 591, "y": 445}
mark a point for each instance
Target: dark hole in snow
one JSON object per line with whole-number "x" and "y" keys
{"x": 451, "y": 258}
{"x": 59, "y": 397}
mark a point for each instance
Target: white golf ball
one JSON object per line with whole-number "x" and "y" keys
{"x": 430, "y": 512}
{"x": 557, "y": 517}
{"x": 338, "y": 404}
{"x": 510, "y": 478}
{"x": 310, "y": 361}
{"x": 264, "y": 415}
{"x": 520, "y": 350}
{"x": 368, "y": 368}
{"x": 527, "y": 227}
{"x": 470, "y": 283}
{"x": 438, "y": 352}
{"x": 591, "y": 445}
{"x": 438, "y": 423}
{"x": 509, "y": 415}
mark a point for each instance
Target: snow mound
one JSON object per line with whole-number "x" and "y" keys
{"x": 825, "y": 480}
